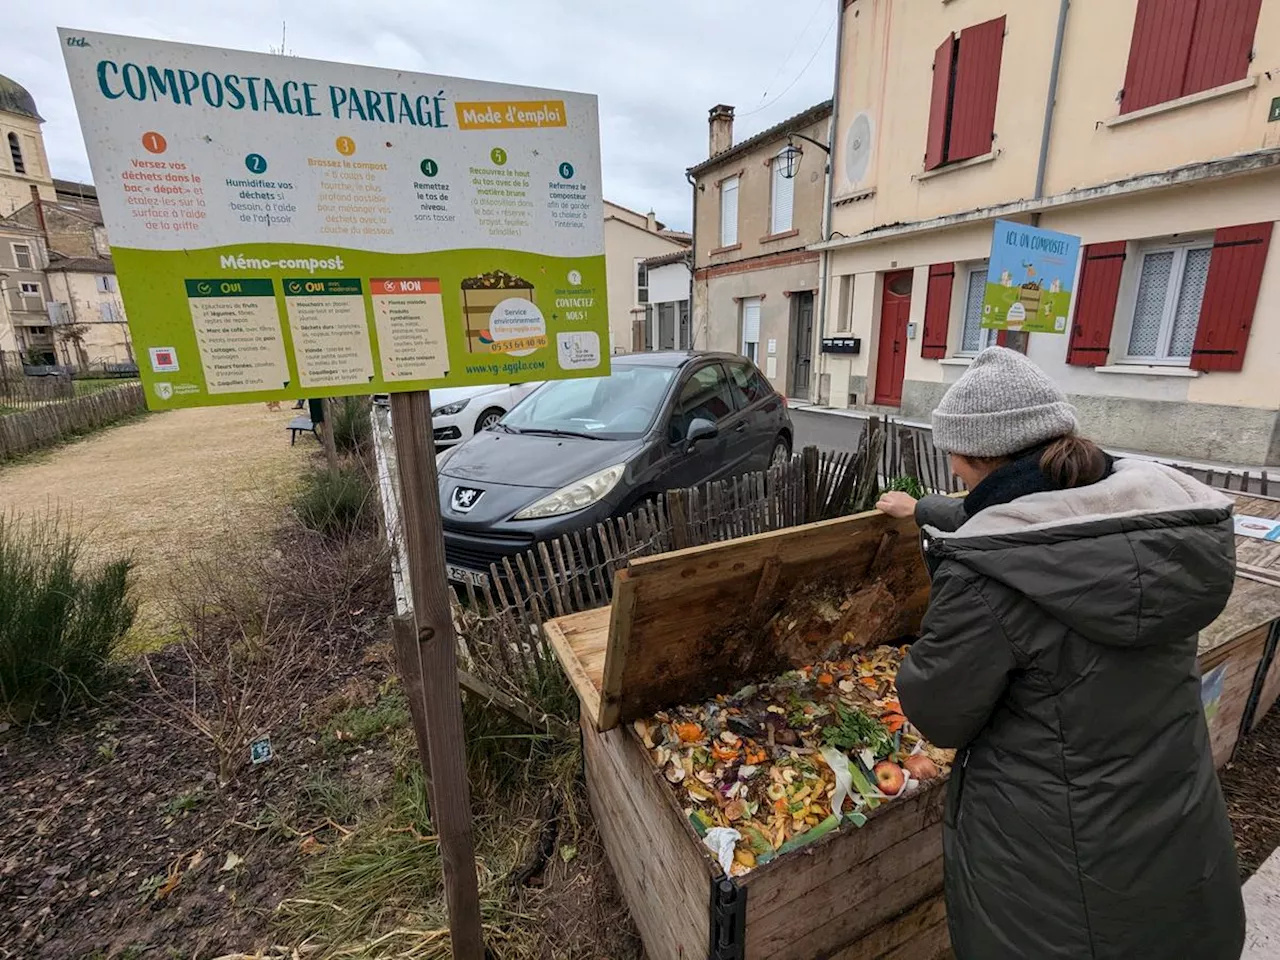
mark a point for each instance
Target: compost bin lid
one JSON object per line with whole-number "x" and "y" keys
{"x": 691, "y": 624}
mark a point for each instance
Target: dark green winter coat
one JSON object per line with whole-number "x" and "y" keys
{"x": 1084, "y": 818}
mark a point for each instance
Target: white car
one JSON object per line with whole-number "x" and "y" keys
{"x": 458, "y": 413}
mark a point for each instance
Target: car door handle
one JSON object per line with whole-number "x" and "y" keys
{"x": 741, "y": 427}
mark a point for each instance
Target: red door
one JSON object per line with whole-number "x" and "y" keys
{"x": 891, "y": 361}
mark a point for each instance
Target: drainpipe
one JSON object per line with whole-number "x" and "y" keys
{"x": 824, "y": 271}
{"x": 1020, "y": 340}
{"x": 693, "y": 260}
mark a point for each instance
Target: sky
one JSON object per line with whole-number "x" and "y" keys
{"x": 657, "y": 66}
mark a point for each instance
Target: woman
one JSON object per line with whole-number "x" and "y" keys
{"x": 1058, "y": 654}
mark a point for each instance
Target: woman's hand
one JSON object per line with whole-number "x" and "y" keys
{"x": 897, "y": 505}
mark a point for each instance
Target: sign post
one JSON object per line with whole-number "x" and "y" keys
{"x": 285, "y": 227}
{"x": 1030, "y": 279}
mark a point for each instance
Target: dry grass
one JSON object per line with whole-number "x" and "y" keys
{"x": 162, "y": 487}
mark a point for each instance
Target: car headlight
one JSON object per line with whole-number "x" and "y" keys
{"x": 576, "y": 496}
{"x": 451, "y": 409}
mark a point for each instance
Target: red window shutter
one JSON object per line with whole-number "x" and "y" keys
{"x": 935, "y": 154}
{"x": 937, "y": 310}
{"x": 1221, "y": 43}
{"x": 1158, "y": 52}
{"x": 973, "y": 110}
{"x": 1096, "y": 304}
{"x": 1230, "y": 296}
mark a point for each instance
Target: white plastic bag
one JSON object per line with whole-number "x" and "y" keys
{"x": 839, "y": 765}
{"x": 721, "y": 841}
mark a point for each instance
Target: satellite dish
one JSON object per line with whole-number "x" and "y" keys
{"x": 858, "y": 149}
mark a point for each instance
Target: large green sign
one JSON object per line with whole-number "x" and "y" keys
{"x": 286, "y": 228}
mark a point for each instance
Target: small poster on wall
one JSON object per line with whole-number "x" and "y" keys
{"x": 1030, "y": 279}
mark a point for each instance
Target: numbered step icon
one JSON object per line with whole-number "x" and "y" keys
{"x": 154, "y": 142}
{"x": 566, "y": 171}
{"x": 345, "y": 146}
{"x": 429, "y": 168}
{"x": 498, "y": 156}
{"x": 255, "y": 163}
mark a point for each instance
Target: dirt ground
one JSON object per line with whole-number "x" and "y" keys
{"x": 146, "y": 487}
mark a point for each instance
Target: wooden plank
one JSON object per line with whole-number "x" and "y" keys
{"x": 1241, "y": 660}
{"x": 494, "y": 697}
{"x": 661, "y": 868}
{"x": 1270, "y": 690}
{"x": 572, "y": 639}
{"x": 681, "y": 626}
{"x": 919, "y": 933}
{"x": 1252, "y": 605}
{"x": 774, "y": 896}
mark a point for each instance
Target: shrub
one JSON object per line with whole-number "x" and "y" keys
{"x": 61, "y": 618}
{"x": 907, "y": 485}
{"x": 337, "y": 503}
{"x": 352, "y": 431}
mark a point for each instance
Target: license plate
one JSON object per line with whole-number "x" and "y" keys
{"x": 463, "y": 575}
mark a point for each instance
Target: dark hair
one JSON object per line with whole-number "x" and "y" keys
{"x": 1073, "y": 461}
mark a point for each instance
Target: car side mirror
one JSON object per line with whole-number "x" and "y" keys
{"x": 701, "y": 429}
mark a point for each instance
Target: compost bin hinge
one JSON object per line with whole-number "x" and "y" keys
{"x": 728, "y": 920}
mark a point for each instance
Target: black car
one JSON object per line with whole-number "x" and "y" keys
{"x": 576, "y": 452}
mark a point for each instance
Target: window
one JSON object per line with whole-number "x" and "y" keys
{"x": 751, "y": 328}
{"x": 748, "y": 385}
{"x": 15, "y": 154}
{"x": 705, "y": 396}
{"x": 784, "y": 190}
{"x": 1181, "y": 47}
{"x": 621, "y": 406}
{"x": 1166, "y": 307}
{"x": 729, "y": 212}
{"x": 844, "y": 315}
{"x": 642, "y": 282}
{"x": 974, "y": 339}
{"x": 106, "y": 283}
{"x": 966, "y": 81}
{"x": 22, "y": 258}
{"x": 29, "y": 289}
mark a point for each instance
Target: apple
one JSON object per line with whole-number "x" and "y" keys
{"x": 890, "y": 778}
{"x": 921, "y": 767}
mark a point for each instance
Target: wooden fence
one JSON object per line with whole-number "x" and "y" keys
{"x": 19, "y": 392}
{"x": 52, "y": 422}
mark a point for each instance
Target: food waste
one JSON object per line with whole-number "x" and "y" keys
{"x": 778, "y": 765}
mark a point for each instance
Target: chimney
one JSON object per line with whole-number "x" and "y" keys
{"x": 651, "y": 224}
{"x": 721, "y": 121}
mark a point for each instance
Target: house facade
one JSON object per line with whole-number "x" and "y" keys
{"x": 667, "y": 323}
{"x": 1148, "y": 128}
{"x": 87, "y": 314}
{"x": 24, "y": 290}
{"x": 755, "y": 216}
{"x": 630, "y": 239}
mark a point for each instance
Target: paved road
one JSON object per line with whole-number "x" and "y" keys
{"x": 826, "y": 431}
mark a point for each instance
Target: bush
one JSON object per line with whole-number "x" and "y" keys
{"x": 907, "y": 485}
{"x": 337, "y": 504}
{"x": 352, "y": 431}
{"x": 61, "y": 618}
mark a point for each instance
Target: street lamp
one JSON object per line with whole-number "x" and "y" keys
{"x": 789, "y": 158}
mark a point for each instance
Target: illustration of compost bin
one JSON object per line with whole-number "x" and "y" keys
{"x": 480, "y": 295}
{"x": 756, "y": 787}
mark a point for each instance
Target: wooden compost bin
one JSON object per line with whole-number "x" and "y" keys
{"x": 688, "y": 625}
{"x": 1258, "y": 562}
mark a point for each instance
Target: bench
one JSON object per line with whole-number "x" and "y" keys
{"x": 300, "y": 425}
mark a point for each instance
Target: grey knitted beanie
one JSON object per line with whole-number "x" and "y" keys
{"x": 1003, "y": 404}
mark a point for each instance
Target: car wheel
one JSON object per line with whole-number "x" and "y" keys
{"x": 489, "y": 418}
{"x": 781, "y": 455}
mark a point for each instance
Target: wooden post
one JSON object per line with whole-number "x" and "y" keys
{"x": 442, "y": 703}
{"x": 326, "y": 435}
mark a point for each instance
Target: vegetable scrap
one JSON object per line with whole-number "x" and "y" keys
{"x": 783, "y": 763}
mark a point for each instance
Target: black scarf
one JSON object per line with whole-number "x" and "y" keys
{"x": 1020, "y": 477}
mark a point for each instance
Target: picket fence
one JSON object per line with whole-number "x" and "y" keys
{"x": 52, "y": 422}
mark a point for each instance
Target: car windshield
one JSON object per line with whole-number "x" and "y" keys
{"x": 621, "y": 406}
